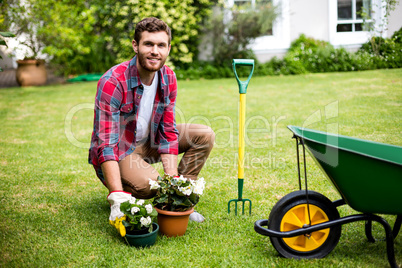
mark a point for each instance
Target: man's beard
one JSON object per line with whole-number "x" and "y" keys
{"x": 142, "y": 61}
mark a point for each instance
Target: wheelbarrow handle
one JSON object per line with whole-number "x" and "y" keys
{"x": 243, "y": 84}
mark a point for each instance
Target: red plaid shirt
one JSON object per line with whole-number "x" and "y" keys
{"x": 115, "y": 121}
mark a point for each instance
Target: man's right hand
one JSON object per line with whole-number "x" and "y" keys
{"x": 116, "y": 216}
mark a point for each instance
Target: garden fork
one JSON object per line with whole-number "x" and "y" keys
{"x": 242, "y": 118}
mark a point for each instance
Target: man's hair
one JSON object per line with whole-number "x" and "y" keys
{"x": 151, "y": 25}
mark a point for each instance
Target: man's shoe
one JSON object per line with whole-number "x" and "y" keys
{"x": 197, "y": 217}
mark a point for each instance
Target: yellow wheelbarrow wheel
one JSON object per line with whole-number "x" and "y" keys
{"x": 297, "y": 218}
{"x": 291, "y": 213}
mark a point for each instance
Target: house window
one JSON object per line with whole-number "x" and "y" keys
{"x": 350, "y": 17}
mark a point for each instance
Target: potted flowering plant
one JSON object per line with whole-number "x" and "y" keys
{"x": 137, "y": 225}
{"x": 174, "y": 201}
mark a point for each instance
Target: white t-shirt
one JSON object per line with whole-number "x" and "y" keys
{"x": 145, "y": 110}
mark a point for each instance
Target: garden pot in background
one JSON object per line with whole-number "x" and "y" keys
{"x": 144, "y": 239}
{"x": 173, "y": 223}
{"x": 31, "y": 73}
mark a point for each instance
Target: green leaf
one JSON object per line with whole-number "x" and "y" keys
{"x": 142, "y": 211}
{"x": 187, "y": 203}
{"x": 177, "y": 201}
{"x": 161, "y": 200}
{"x": 125, "y": 206}
{"x": 181, "y": 201}
{"x": 7, "y": 34}
{"x": 154, "y": 213}
{"x": 177, "y": 192}
{"x": 194, "y": 198}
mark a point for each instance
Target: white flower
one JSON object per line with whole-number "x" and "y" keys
{"x": 154, "y": 184}
{"x": 134, "y": 210}
{"x": 132, "y": 200}
{"x": 149, "y": 208}
{"x": 145, "y": 221}
{"x": 199, "y": 186}
{"x": 140, "y": 202}
{"x": 181, "y": 179}
{"x": 185, "y": 190}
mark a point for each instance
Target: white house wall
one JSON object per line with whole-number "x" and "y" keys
{"x": 317, "y": 19}
{"x": 395, "y": 20}
{"x": 309, "y": 17}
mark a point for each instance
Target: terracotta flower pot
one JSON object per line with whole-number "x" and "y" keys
{"x": 173, "y": 223}
{"x": 143, "y": 239}
{"x": 31, "y": 73}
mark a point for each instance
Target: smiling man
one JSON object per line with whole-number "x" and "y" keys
{"x": 135, "y": 126}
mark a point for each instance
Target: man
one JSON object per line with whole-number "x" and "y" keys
{"x": 134, "y": 122}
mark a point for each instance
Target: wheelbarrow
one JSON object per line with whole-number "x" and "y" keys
{"x": 366, "y": 174}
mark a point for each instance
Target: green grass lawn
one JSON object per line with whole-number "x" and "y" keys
{"x": 54, "y": 211}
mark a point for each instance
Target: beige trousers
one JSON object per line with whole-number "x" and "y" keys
{"x": 195, "y": 142}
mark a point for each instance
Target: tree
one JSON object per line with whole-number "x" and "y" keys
{"x": 230, "y": 32}
{"x": 24, "y": 19}
{"x": 115, "y": 21}
{"x": 90, "y": 36}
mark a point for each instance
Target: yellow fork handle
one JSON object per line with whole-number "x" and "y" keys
{"x": 242, "y": 120}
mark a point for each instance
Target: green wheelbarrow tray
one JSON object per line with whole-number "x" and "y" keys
{"x": 368, "y": 175}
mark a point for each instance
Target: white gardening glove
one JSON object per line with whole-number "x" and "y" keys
{"x": 116, "y": 216}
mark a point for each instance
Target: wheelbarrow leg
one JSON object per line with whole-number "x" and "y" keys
{"x": 367, "y": 229}
{"x": 395, "y": 231}
{"x": 397, "y": 225}
{"x": 389, "y": 239}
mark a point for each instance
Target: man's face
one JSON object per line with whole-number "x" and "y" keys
{"x": 152, "y": 50}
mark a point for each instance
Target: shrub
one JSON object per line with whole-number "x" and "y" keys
{"x": 304, "y": 43}
{"x": 364, "y": 61}
{"x": 385, "y": 52}
{"x": 307, "y": 55}
{"x": 205, "y": 70}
